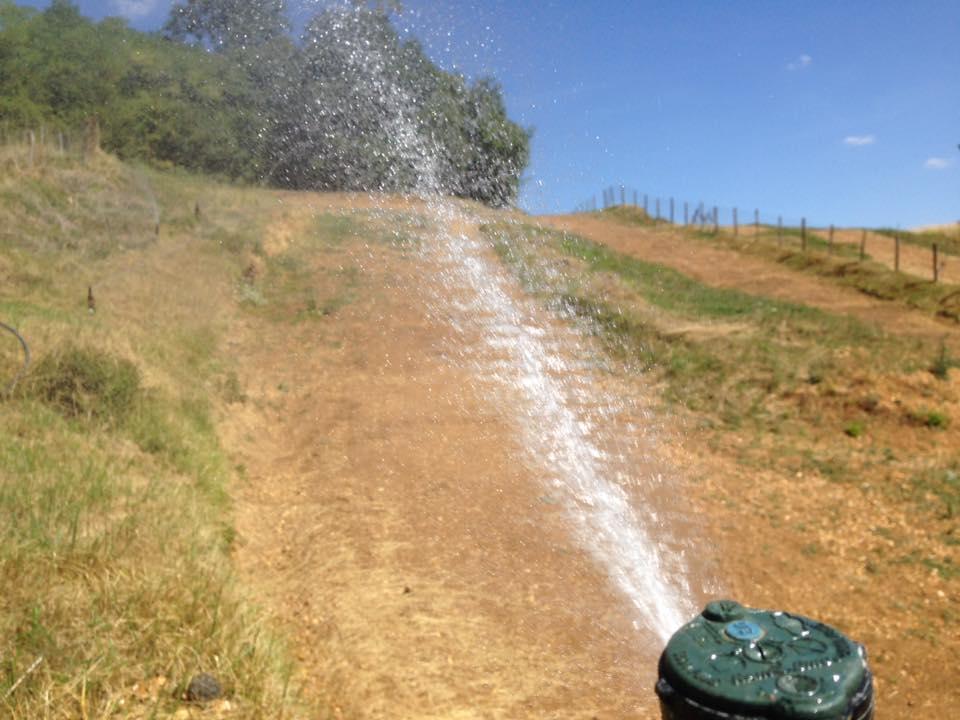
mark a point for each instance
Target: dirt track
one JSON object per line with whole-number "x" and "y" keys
{"x": 393, "y": 516}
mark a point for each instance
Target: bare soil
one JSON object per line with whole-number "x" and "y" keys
{"x": 386, "y": 513}
{"x": 390, "y": 516}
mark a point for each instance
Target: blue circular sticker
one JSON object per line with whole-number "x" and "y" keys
{"x": 744, "y": 630}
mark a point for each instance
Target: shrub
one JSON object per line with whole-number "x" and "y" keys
{"x": 86, "y": 383}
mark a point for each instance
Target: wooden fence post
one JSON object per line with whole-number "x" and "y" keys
{"x": 936, "y": 264}
{"x": 896, "y": 253}
{"x": 734, "y": 222}
{"x": 863, "y": 245}
{"x": 91, "y": 140}
{"x": 803, "y": 234}
{"x": 830, "y": 241}
{"x": 716, "y": 220}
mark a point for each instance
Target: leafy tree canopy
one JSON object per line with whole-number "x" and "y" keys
{"x": 228, "y": 24}
{"x": 348, "y": 105}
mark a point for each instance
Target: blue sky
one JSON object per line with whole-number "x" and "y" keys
{"x": 844, "y": 112}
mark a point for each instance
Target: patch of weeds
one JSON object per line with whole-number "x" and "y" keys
{"x": 198, "y": 345}
{"x": 628, "y": 215}
{"x": 151, "y": 429}
{"x": 943, "y": 363}
{"x": 934, "y": 419}
{"x": 86, "y": 383}
{"x": 855, "y": 429}
{"x": 944, "y": 567}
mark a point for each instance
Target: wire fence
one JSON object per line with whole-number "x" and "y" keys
{"x": 924, "y": 254}
{"x": 36, "y": 145}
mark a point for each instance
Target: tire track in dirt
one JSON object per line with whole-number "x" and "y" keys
{"x": 393, "y": 516}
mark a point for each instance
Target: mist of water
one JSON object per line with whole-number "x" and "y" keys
{"x": 533, "y": 363}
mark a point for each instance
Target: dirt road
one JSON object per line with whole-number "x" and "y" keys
{"x": 395, "y": 517}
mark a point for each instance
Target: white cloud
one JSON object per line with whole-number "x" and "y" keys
{"x": 937, "y": 163}
{"x": 134, "y": 9}
{"x": 802, "y": 62}
{"x": 859, "y": 140}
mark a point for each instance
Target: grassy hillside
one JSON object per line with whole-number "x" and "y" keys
{"x": 116, "y": 530}
{"x": 839, "y": 261}
{"x": 831, "y": 439}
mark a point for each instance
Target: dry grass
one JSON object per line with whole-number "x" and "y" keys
{"x": 114, "y": 491}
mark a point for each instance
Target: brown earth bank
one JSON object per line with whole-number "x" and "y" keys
{"x": 390, "y": 513}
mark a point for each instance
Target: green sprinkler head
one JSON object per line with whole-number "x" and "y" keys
{"x": 736, "y": 663}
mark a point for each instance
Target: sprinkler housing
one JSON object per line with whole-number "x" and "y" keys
{"x": 736, "y": 662}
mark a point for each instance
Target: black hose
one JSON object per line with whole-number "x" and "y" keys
{"x": 26, "y": 357}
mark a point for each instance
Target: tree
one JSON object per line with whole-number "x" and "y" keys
{"x": 499, "y": 149}
{"x": 228, "y": 24}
